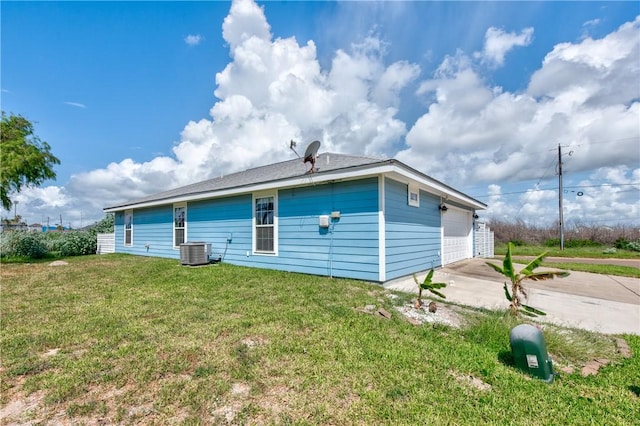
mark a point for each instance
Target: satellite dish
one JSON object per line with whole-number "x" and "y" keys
{"x": 311, "y": 153}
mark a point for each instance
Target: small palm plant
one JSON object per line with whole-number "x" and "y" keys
{"x": 428, "y": 285}
{"x": 516, "y": 307}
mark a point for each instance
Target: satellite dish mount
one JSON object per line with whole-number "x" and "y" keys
{"x": 310, "y": 155}
{"x": 292, "y": 147}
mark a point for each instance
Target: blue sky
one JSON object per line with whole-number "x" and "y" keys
{"x": 137, "y": 97}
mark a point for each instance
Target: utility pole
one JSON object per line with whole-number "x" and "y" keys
{"x": 560, "y": 192}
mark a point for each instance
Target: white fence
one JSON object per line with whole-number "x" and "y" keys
{"x": 106, "y": 243}
{"x": 484, "y": 240}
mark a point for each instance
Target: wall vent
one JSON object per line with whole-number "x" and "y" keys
{"x": 195, "y": 253}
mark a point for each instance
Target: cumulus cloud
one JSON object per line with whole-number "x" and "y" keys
{"x": 594, "y": 72}
{"x": 607, "y": 196}
{"x": 497, "y": 43}
{"x": 492, "y": 135}
{"x": 193, "y": 40}
{"x": 270, "y": 92}
{"x": 584, "y": 95}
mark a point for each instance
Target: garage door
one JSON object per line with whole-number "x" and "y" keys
{"x": 457, "y": 232}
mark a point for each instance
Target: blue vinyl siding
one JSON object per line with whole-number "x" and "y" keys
{"x": 348, "y": 248}
{"x": 152, "y": 232}
{"x": 214, "y": 221}
{"x": 412, "y": 234}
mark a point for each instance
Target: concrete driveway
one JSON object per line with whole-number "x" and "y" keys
{"x": 602, "y": 303}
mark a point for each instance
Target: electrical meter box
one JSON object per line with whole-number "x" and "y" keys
{"x": 323, "y": 221}
{"x": 529, "y": 352}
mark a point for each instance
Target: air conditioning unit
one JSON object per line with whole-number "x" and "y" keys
{"x": 195, "y": 253}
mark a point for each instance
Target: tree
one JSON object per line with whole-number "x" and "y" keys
{"x": 26, "y": 160}
{"x": 517, "y": 288}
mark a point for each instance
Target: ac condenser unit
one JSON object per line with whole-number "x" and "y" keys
{"x": 195, "y": 253}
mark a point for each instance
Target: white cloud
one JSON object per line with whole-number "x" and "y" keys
{"x": 608, "y": 196}
{"x": 193, "y": 40}
{"x": 603, "y": 71}
{"x": 76, "y": 104}
{"x": 245, "y": 20}
{"x": 491, "y": 135}
{"x": 471, "y": 132}
{"x": 497, "y": 43}
{"x": 272, "y": 91}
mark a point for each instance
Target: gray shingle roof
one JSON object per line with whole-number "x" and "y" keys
{"x": 326, "y": 162}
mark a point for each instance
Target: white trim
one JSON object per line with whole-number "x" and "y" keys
{"x": 382, "y": 229}
{"x": 264, "y": 194}
{"x": 124, "y": 239}
{"x": 394, "y": 171}
{"x": 173, "y": 223}
{"x": 441, "y": 241}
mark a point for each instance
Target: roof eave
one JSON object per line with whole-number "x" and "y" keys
{"x": 383, "y": 167}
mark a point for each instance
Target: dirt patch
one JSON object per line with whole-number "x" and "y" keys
{"x": 444, "y": 314}
{"x": 21, "y": 409}
{"x": 254, "y": 341}
{"x": 470, "y": 381}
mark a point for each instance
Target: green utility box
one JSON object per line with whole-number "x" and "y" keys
{"x": 530, "y": 352}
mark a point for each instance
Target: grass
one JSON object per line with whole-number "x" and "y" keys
{"x": 619, "y": 270}
{"x": 584, "y": 252}
{"x": 124, "y": 339}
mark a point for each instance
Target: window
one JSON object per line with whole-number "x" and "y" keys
{"x": 128, "y": 227}
{"x": 413, "y": 195}
{"x": 179, "y": 224}
{"x": 265, "y": 217}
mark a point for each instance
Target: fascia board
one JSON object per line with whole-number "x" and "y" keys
{"x": 437, "y": 188}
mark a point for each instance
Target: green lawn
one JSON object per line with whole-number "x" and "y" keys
{"x": 132, "y": 340}
{"x": 586, "y": 252}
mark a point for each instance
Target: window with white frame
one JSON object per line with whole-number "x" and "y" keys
{"x": 179, "y": 224}
{"x": 413, "y": 195}
{"x": 128, "y": 227}
{"x": 265, "y": 219}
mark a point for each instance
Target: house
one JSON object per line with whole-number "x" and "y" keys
{"x": 350, "y": 216}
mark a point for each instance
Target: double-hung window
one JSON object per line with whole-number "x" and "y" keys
{"x": 265, "y": 228}
{"x": 179, "y": 224}
{"x": 128, "y": 227}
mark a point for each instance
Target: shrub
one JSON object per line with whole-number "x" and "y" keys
{"x": 77, "y": 243}
{"x": 106, "y": 225}
{"x": 24, "y": 243}
{"x": 571, "y": 243}
{"x": 634, "y": 246}
{"x": 621, "y": 243}
{"x": 624, "y": 244}
{"x": 54, "y": 241}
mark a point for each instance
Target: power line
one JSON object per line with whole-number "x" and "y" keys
{"x": 566, "y": 187}
{"x": 551, "y": 163}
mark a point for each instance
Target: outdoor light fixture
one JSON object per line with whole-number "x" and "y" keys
{"x": 475, "y": 216}
{"x": 443, "y": 207}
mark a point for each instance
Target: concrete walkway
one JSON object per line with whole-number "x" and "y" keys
{"x": 601, "y": 303}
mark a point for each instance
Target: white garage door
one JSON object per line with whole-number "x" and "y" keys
{"x": 457, "y": 243}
